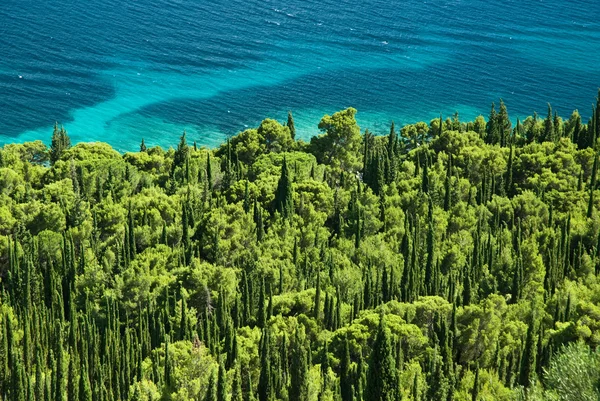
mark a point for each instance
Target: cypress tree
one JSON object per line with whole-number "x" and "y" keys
{"x": 492, "y": 134}
{"x": 246, "y": 197}
{"x": 261, "y": 317}
{"x": 429, "y": 267}
{"x": 448, "y": 186}
{"x": 73, "y": 382}
{"x": 60, "y": 143}
{"x": 182, "y": 152}
{"x": 39, "y": 379}
{"x": 548, "y": 126}
{"x": 382, "y": 384}
{"x": 509, "y": 171}
{"x": 59, "y": 390}
{"x": 163, "y": 236}
{"x": 142, "y": 146}
{"x": 415, "y": 388}
{"x": 185, "y": 236}
{"x": 131, "y": 237}
{"x": 425, "y": 179}
{"x": 211, "y": 391}
{"x": 391, "y": 154}
{"x": 221, "y": 383}
{"x": 209, "y": 173}
{"x": 290, "y": 125}
{"x": 346, "y": 389}
{"x": 592, "y": 186}
{"x": 249, "y": 391}
{"x": 467, "y": 291}
{"x": 264, "y": 381}
{"x": 317, "y": 307}
{"x": 85, "y": 390}
{"x": 528, "y": 359}
{"x": 236, "y": 385}
{"x": 557, "y": 128}
{"x": 504, "y": 124}
{"x": 167, "y": 371}
{"x": 475, "y": 392}
{"x": 385, "y": 287}
{"x": 284, "y": 202}
{"x": 18, "y": 387}
{"x": 298, "y": 390}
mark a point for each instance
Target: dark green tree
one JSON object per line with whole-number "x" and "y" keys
{"x": 298, "y": 390}
{"x": 290, "y": 125}
{"x": 346, "y": 379}
{"x": 382, "y": 379}
{"x": 492, "y": 129}
{"x": 590, "y": 209}
{"x": 527, "y": 370}
{"x": 222, "y": 383}
{"x": 265, "y": 387}
{"x": 284, "y": 202}
{"x": 475, "y": 392}
{"x": 182, "y": 152}
{"x": 211, "y": 391}
{"x": 60, "y": 143}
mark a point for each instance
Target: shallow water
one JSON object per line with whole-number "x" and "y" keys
{"x": 119, "y": 71}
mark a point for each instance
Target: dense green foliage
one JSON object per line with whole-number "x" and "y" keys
{"x": 446, "y": 261}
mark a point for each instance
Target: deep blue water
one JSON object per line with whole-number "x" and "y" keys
{"x": 118, "y": 71}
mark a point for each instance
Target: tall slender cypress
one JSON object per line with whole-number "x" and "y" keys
{"x": 592, "y": 186}
{"x": 382, "y": 382}
{"x": 284, "y": 203}
{"x": 298, "y": 390}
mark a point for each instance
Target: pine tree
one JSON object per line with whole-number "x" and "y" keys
{"x": 382, "y": 384}
{"x": 284, "y": 202}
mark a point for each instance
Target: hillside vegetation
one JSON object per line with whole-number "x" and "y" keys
{"x": 447, "y": 260}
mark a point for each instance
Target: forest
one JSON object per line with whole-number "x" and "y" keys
{"x": 447, "y": 260}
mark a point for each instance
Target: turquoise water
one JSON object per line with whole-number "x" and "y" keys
{"x": 118, "y": 71}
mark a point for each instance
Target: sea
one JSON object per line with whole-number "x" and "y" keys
{"x": 122, "y": 70}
